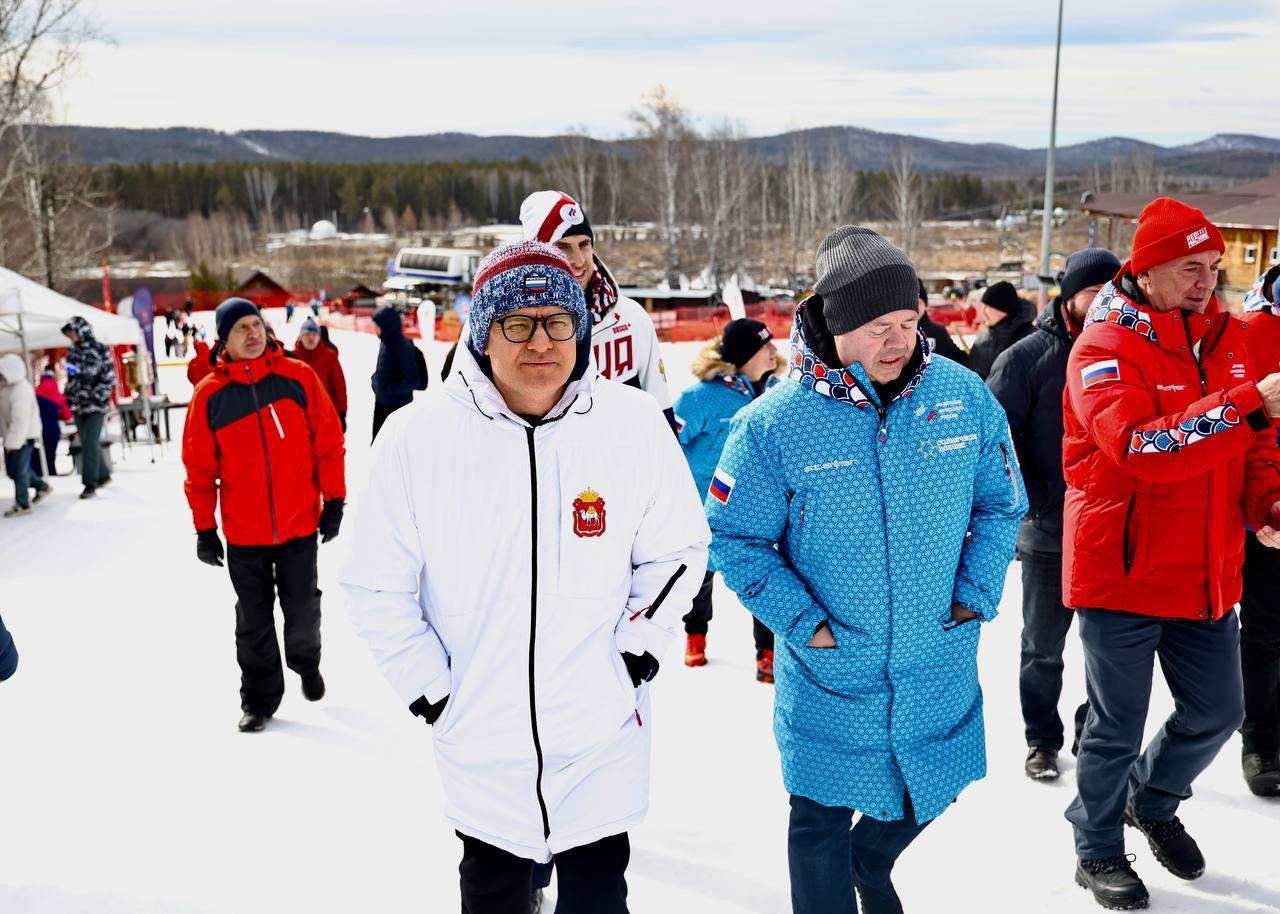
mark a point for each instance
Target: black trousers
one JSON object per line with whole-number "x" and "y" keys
{"x": 380, "y": 413}
{"x": 258, "y": 573}
{"x": 1045, "y": 624}
{"x": 698, "y": 617}
{"x": 1260, "y": 647}
{"x": 590, "y": 879}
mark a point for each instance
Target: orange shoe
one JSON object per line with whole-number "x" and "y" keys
{"x": 695, "y": 650}
{"x": 764, "y": 666}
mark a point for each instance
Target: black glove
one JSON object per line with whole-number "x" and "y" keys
{"x": 209, "y": 547}
{"x": 342, "y": 417}
{"x": 641, "y": 669}
{"x": 331, "y": 519}
{"x": 428, "y": 711}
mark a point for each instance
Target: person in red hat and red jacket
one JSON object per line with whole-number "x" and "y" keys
{"x": 263, "y": 445}
{"x": 324, "y": 362}
{"x": 1169, "y": 450}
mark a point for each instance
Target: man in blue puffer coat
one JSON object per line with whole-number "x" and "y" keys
{"x": 397, "y": 374}
{"x": 732, "y": 370}
{"x": 867, "y": 514}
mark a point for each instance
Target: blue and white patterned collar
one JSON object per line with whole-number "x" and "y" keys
{"x": 1256, "y": 301}
{"x": 848, "y": 385}
{"x": 740, "y": 384}
{"x": 1112, "y": 306}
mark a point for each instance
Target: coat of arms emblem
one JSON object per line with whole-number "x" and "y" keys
{"x": 588, "y": 514}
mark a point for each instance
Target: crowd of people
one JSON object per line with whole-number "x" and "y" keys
{"x": 540, "y": 527}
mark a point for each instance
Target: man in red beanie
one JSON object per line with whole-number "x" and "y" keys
{"x": 1168, "y": 451}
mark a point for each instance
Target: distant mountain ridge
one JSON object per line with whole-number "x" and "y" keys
{"x": 1219, "y": 156}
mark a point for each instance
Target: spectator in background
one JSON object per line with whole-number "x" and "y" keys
{"x": 324, "y": 362}
{"x": 732, "y": 370}
{"x": 8, "y": 653}
{"x": 940, "y": 341}
{"x": 19, "y": 429}
{"x": 91, "y": 378}
{"x": 1008, "y": 318}
{"x": 397, "y": 375}
{"x": 53, "y": 412}
{"x": 201, "y": 365}
{"x": 1028, "y": 379}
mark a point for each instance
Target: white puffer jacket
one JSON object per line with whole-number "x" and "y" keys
{"x": 19, "y": 412}
{"x": 507, "y": 566}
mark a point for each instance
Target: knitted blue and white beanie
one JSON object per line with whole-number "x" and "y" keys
{"x": 528, "y": 274}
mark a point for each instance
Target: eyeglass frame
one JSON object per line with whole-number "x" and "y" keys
{"x": 538, "y": 322}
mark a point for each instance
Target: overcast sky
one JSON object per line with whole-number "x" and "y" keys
{"x": 1167, "y": 71}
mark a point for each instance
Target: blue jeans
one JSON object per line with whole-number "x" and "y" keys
{"x": 1201, "y": 664}
{"x": 89, "y": 428}
{"x": 18, "y": 465}
{"x": 1045, "y": 624}
{"x": 827, "y": 858}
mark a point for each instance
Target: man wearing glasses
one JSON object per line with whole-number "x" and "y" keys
{"x": 528, "y": 545}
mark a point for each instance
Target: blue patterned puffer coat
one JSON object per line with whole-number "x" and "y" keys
{"x": 880, "y": 524}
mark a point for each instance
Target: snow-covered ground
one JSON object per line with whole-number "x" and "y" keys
{"x": 126, "y": 789}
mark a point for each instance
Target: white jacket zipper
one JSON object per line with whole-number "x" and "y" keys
{"x": 276, "y": 419}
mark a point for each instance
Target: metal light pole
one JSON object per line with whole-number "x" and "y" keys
{"x": 1046, "y": 231}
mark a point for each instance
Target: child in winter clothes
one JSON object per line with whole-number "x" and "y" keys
{"x": 53, "y": 411}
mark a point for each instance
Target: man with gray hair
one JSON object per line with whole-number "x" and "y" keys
{"x": 874, "y": 590}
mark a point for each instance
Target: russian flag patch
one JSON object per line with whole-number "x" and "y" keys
{"x": 679, "y": 423}
{"x": 721, "y": 486}
{"x": 536, "y": 284}
{"x": 1100, "y": 373}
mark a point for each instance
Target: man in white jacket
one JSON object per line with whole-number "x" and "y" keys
{"x": 19, "y": 427}
{"x": 530, "y": 540}
{"x": 623, "y": 341}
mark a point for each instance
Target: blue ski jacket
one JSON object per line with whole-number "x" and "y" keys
{"x": 828, "y": 506}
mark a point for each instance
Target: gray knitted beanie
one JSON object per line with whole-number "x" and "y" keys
{"x": 862, "y": 276}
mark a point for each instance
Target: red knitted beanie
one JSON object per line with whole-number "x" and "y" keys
{"x": 1169, "y": 229}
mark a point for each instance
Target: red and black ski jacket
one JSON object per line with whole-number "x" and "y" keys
{"x": 1167, "y": 455}
{"x": 263, "y": 444}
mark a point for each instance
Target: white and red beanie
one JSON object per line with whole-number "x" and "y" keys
{"x": 549, "y": 215}
{"x": 527, "y": 274}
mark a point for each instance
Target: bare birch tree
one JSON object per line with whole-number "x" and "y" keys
{"x": 906, "y": 198}
{"x": 664, "y": 133}
{"x": 574, "y": 169}
{"x": 722, "y": 173}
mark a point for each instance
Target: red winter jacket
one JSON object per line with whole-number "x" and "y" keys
{"x": 1165, "y": 458}
{"x": 324, "y": 361}
{"x": 199, "y": 367}
{"x": 263, "y": 443}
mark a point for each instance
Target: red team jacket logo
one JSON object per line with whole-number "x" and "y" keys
{"x": 588, "y": 514}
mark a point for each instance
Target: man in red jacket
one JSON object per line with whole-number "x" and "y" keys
{"x": 1168, "y": 451}
{"x": 324, "y": 362}
{"x": 263, "y": 444}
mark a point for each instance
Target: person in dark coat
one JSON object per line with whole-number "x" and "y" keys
{"x": 1008, "y": 317}
{"x": 1028, "y": 379}
{"x": 91, "y": 379}
{"x": 396, "y": 376}
{"x": 8, "y": 653}
{"x": 940, "y": 341}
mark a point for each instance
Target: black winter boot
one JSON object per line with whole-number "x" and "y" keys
{"x": 1173, "y": 847}
{"x": 252, "y": 722}
{"x": 1262, "y": 773}
{"x": 1041, "y": 764}
{"x": 313, "y": 687}
{"x": 1113, "y": 883}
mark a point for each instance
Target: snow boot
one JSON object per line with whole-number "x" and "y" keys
{"x": 764, "y": 666}
{"x": 89, "y": 492}
{"x": 1113, "y": 883}
{"x": 1262, "y": 773}
{"x": 313, "y": 686}
{"x": 695, "y": 650}
{"x": 17, "y": 511}
{"x": 1176, "y": 851}
{"x": 252, "y": 722}
{"x": 1041, "y": 764}
{"x": 40, "y": 494}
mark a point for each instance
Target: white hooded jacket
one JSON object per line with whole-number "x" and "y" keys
{"x": 19, "y": 412}
{"x": 507, "y": 566}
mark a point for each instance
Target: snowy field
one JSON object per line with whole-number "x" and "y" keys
{"x": 126, "y": 789}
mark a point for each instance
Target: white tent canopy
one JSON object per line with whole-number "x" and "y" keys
{"x": 44, "y": 312}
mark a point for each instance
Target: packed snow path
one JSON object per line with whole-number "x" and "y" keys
{"x": 128, "y": 790}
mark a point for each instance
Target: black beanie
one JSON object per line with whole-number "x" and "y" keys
{"x": 861, "y": 276}
{"x": 1003, "y": 297}
{"x": 742, "y": 339}
{"x": 924, "y": 293}
{"x": 1089, "y": 267}
{"x": 231, "y": 311}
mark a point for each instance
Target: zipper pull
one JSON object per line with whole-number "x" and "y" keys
{"x": 271, "y": 407}
{"x": 639, "y": 722}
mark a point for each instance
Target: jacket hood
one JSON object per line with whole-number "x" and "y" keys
{"x": 81, "y": 328}
{"x": 710, "y": 364}
{"x": 388, "y": 320}
{"x": 11, "y": 368}
{"x": 1052, "y": 321}
{"x": 1260, "y": 299}
{"x": 470, "y": 383}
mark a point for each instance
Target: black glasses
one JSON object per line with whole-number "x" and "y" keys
{"x": 520, "y": 328}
